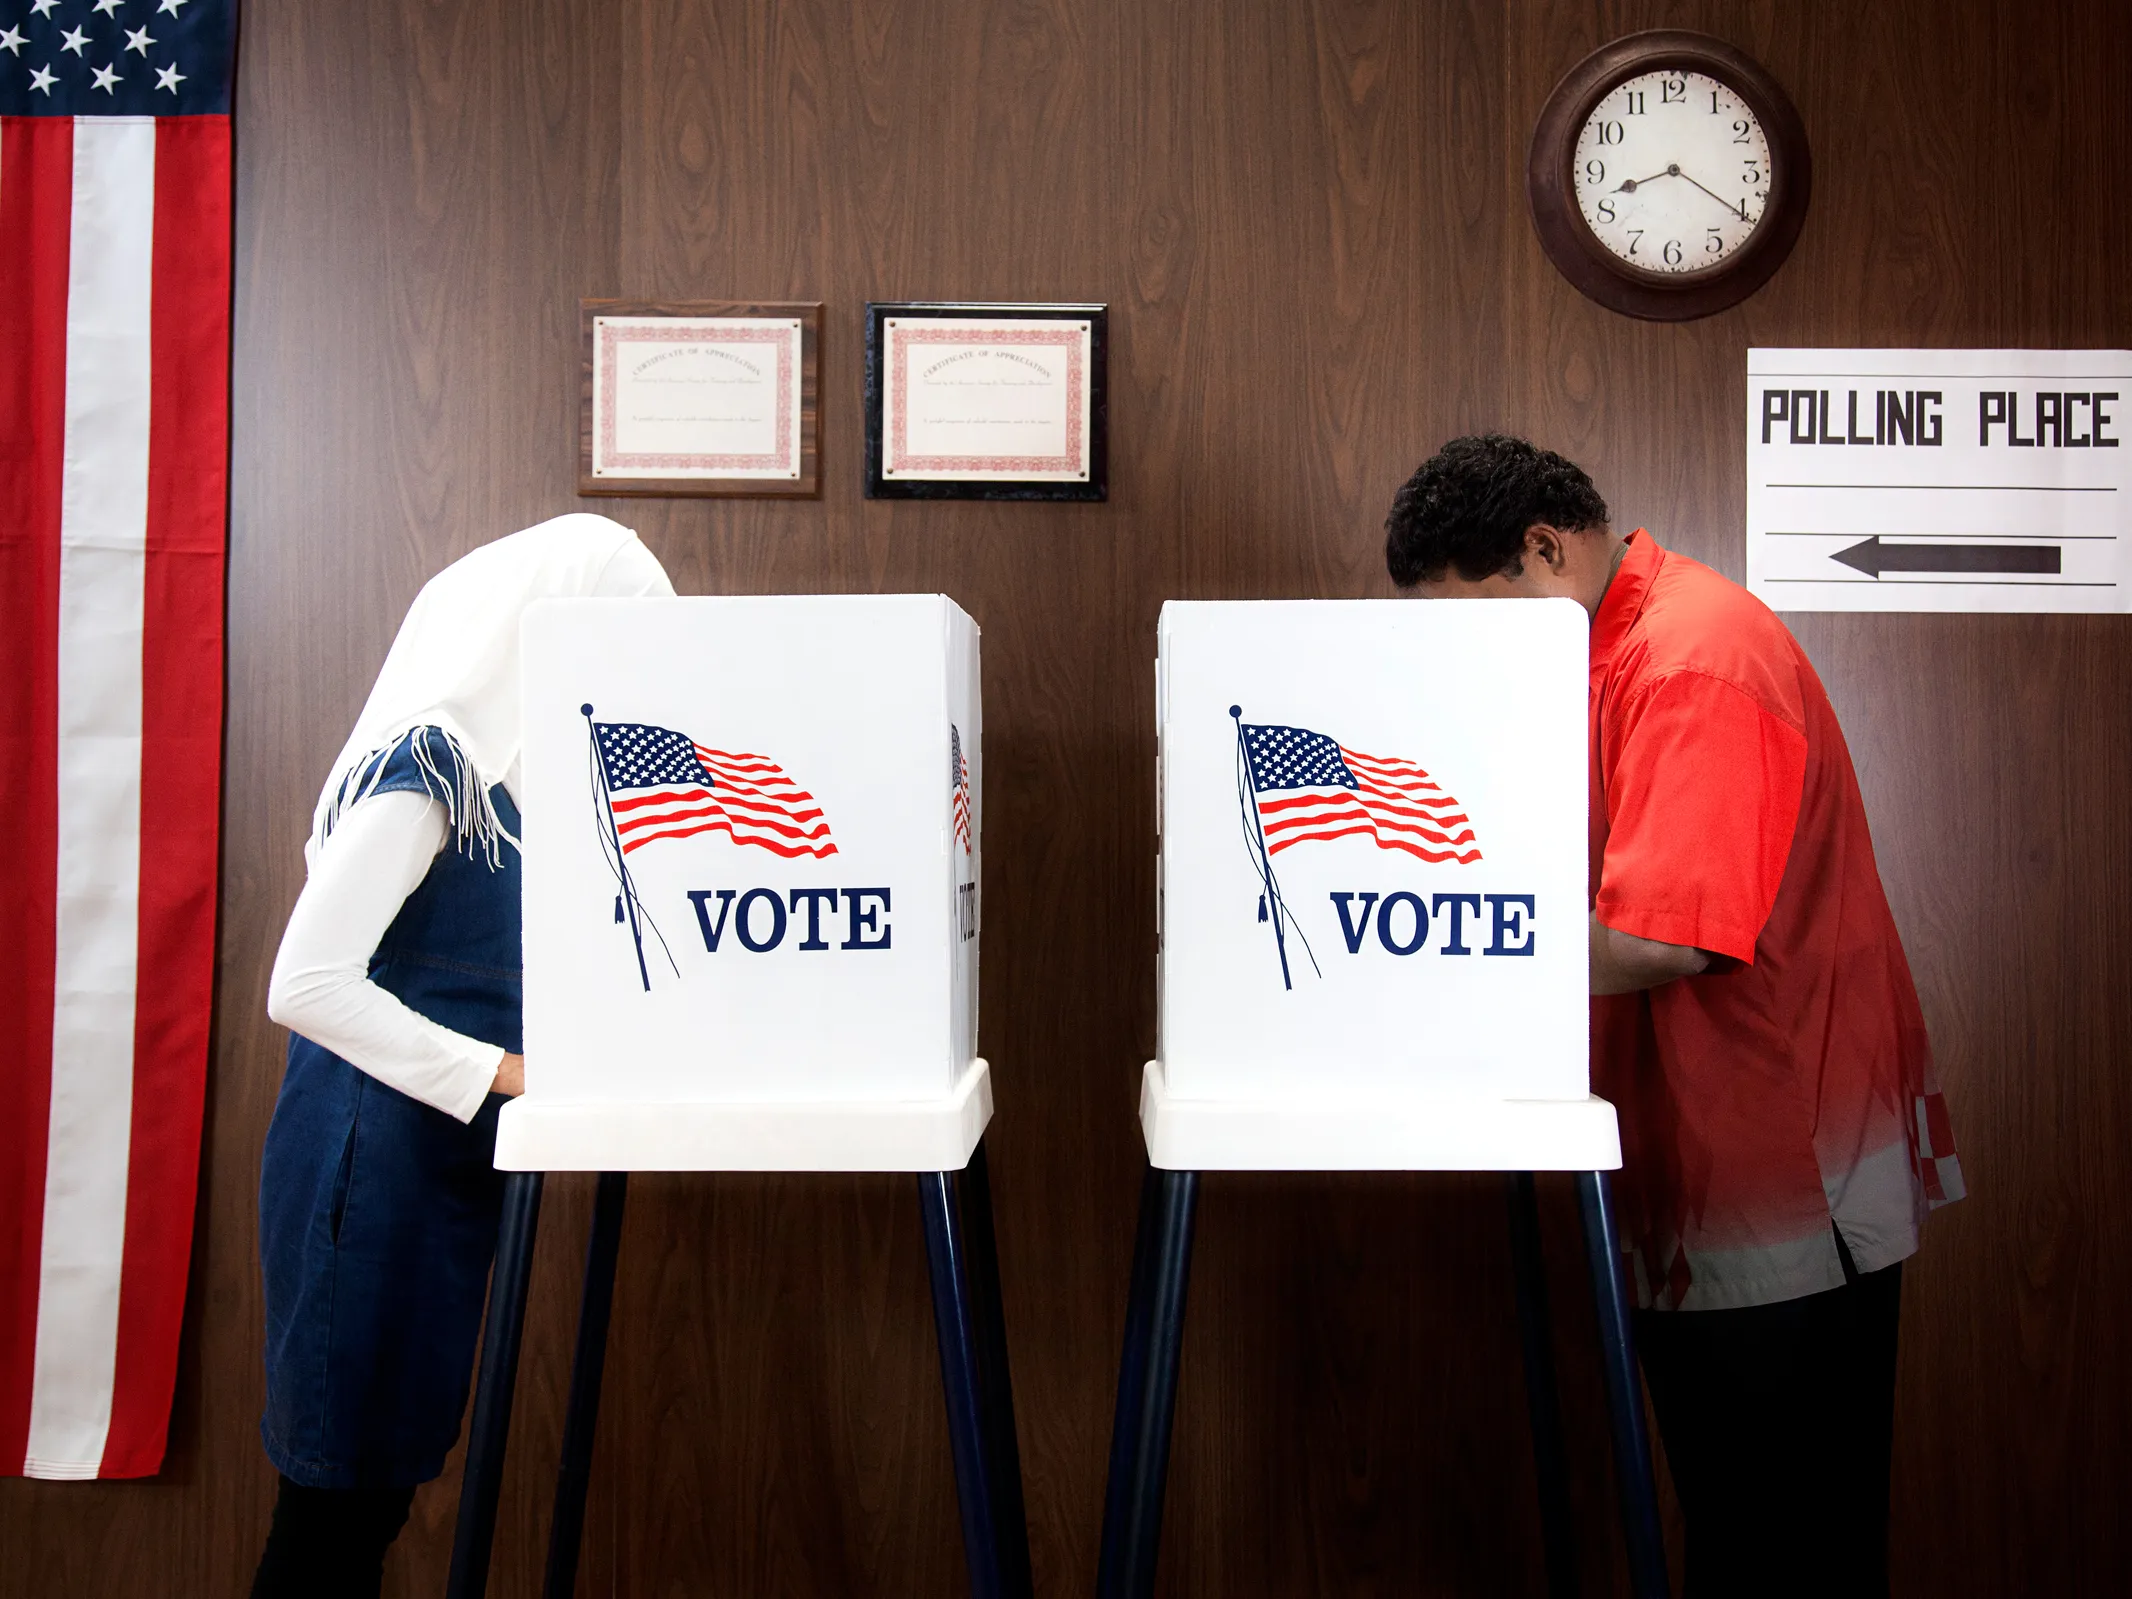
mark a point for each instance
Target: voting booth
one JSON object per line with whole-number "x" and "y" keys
{"x": 752, "y": 833}
{"x": 1373, "y": 879}
{"x": 1374, "y": 955}
{"x": 751, "y": 866}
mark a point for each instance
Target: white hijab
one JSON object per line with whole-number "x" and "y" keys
{"x": 454, "y": 665}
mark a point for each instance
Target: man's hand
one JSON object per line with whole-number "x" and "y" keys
{"x": 1623, "y": 963}
{"x": 511, "y": 1075}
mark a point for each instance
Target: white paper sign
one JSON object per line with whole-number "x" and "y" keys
{"x": 696, "y": 397}
{"x": 751, "y": 848}
{"x": 1938, "y": 480}
{"x": 1373, "y": 849}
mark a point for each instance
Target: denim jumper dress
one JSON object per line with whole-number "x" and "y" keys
{"x": 378, "y": 1214}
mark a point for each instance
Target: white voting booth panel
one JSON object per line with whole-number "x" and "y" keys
{"x": 752, "y": 849}
{"x": 1373, "y": 888}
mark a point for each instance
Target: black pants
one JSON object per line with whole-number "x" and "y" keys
{"x": 1778, "y": 1421}
{"x": 330, "y": 1543}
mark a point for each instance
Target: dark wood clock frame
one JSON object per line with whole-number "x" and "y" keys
{"x": 1550, "y": 180}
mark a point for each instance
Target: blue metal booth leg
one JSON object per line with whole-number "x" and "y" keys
{"x": 1147, "y": 1385}
{"x": 483, "y": 1480}
{"x": 1550, "y": 1455}
{"x": 995, "y": 1540}
{"x": 1624, "y": 1392}
{"x": 566, "y": 1528}
{"x": 1132, "y": 1383}
{"x": 973, "y": 1191}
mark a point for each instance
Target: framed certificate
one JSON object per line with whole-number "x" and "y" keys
{"x": 986, "y": 402}
{"x": 699, "y": 397}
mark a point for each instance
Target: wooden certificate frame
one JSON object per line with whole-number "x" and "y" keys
{"x": 639, "y": 432}
{"x": 1010, "y": 402}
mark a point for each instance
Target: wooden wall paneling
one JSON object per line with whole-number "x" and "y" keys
{"x": 1945, "y": 218}
{"x": 1309, "y": 223}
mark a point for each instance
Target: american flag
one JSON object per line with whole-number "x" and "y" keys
{"x": 663, "y": 784}
{"x": 1309, "y": 786}
{"x": 959, "y": 780}
{"x": 114, "y": 412}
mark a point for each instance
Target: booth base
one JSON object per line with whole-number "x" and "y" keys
{"x": 939, "y": 1140}
{"x": 916, "y": 1135}
{"x": 1186, "y": 1137}
{"x": 1371, "y": 1135}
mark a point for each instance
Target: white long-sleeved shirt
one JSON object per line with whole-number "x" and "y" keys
{"x": 377, "y": 854}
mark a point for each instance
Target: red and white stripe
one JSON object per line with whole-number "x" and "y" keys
{"x": 1398, "y": 804}
{"x": 962, "y": 802}
{"x": 754, "y": 803}
{"x": 114, "y": 339}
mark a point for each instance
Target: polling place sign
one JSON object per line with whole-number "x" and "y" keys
{"x": 1938, "y": 480}
{"x": 751, "y": 849}
{"x": 1373, "y": 849}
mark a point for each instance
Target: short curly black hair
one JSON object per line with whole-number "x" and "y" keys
{"x": 1469, "y": 504}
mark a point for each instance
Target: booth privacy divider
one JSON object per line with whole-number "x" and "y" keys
{"x": 752, "y": 849}
{"x": 1373, "y": 956}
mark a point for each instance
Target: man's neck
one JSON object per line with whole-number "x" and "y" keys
{"x": 1613, "y": 566}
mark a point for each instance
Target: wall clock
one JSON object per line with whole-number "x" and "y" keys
{"x": 1669, "y": 175}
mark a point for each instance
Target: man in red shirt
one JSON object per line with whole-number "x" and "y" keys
{"x": 1753, "y": 1021}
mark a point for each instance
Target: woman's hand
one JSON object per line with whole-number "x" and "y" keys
{"x": 510, "y": 1076}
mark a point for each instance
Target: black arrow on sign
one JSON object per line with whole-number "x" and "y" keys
{"x": 1874, "y": 557}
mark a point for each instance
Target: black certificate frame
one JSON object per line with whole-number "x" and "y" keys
{"x": 1095, "y": 488}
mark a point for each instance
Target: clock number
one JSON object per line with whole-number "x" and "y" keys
{"x": 1635, "y": 238}
{"x": 1595, "y": 172}
{"x": 1635, "y": 100}
{"x": 1673, "y": 91}
{"x": 1715, "y": 243}
{"x": 1609, "y": 132}
{"x": 1672, "y": 252}
{"x": 1606, "y": 210}
{"x": 1739, "y": 132}
{"x": 1744, "y": 217}
{"x": 1753, "y": 173}
{"x": 1713, "y": 102}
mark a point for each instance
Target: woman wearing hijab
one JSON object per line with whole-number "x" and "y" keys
{"x": 398, "y": 978}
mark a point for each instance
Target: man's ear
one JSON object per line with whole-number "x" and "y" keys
{"x": 1545, "y": 544}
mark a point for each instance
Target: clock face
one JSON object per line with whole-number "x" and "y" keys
{"x": 1672, "y": 172}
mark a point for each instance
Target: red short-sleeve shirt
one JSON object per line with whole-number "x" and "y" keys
{"x": 1791, "y": 1085}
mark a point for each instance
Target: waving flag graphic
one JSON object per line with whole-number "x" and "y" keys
{"x": 959, "y": 779}
{"x": 651, "y": 782}
{"x": 663, "y": 784}
{"x": 1295, "y": 786}
{"x": 1310, "y": 787}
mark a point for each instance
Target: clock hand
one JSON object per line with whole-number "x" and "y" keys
{"x": 1631, "y": 185}
{"x": 1719, "y": 198}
